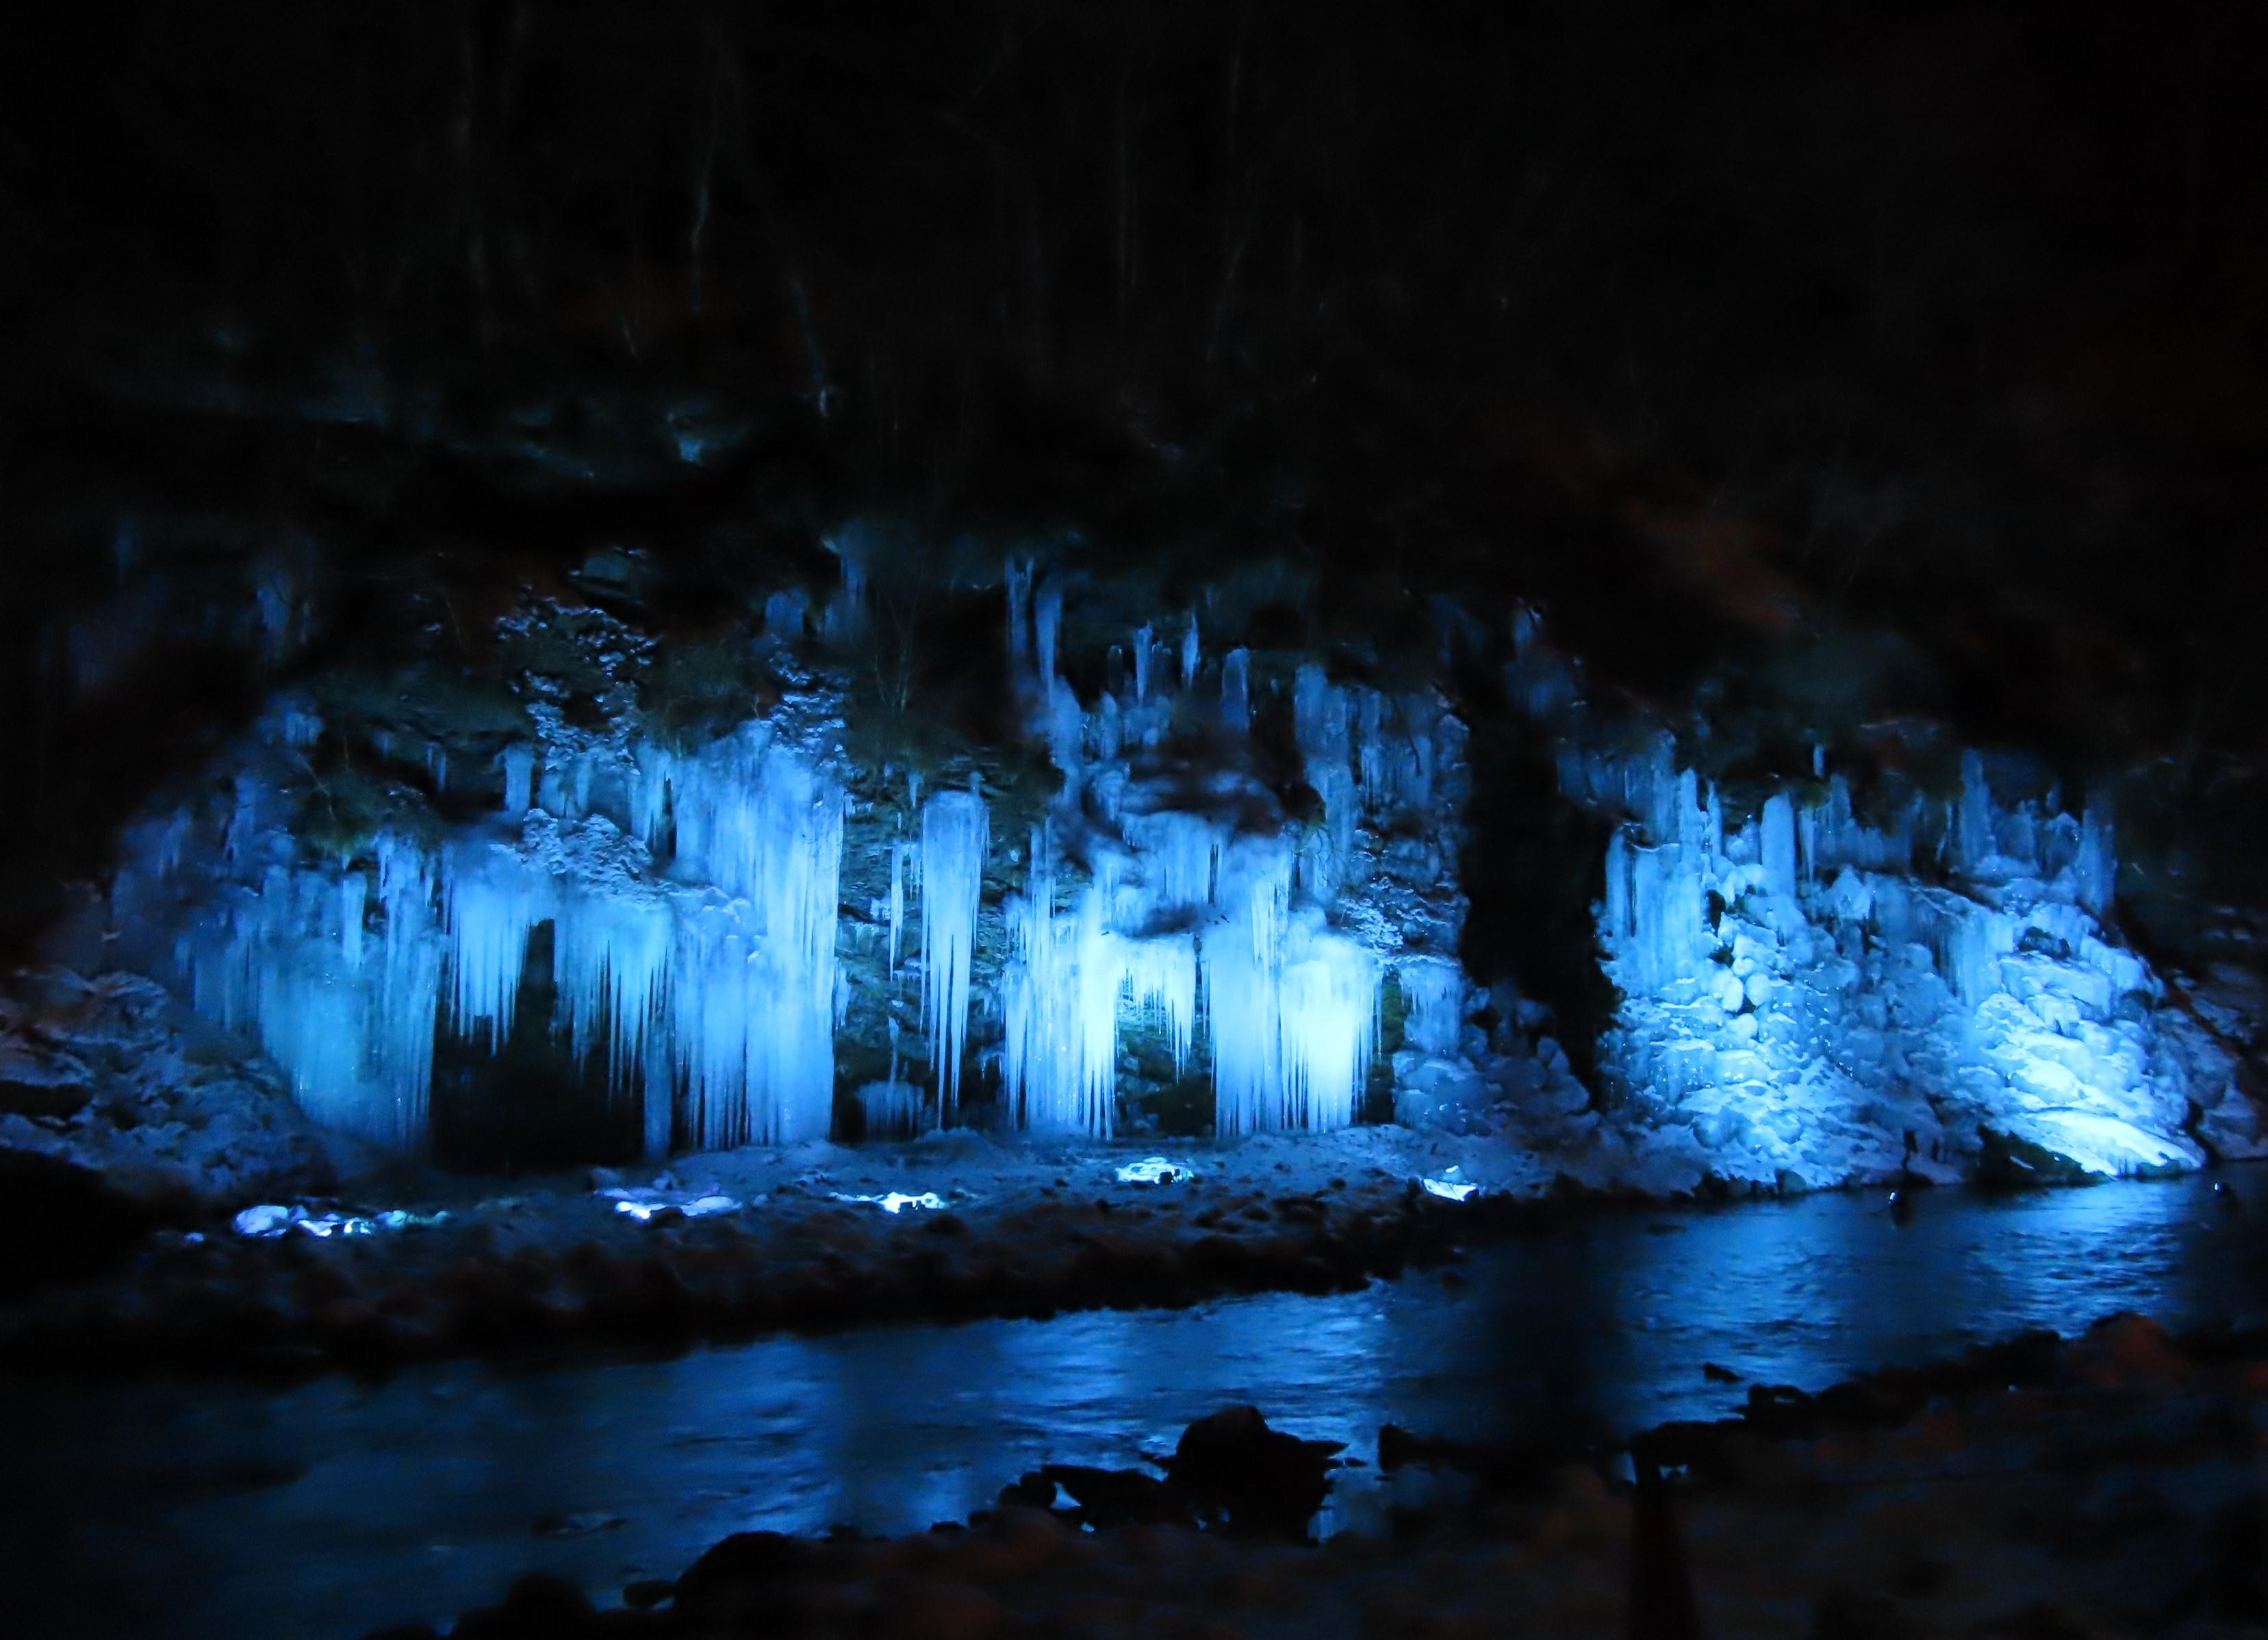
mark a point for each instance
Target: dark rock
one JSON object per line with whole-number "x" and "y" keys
{"x": 647, "y": 1592}
{"x": 1032, "y": 1491}
{"x": 2236, "y": 1588}
{"x": 1257, "y": 1479}
{"x": 1717, "y": 1374}
{"x": 1117, "y": 1497}
{"x": 60, "y": 1222}
{"x": 1503, "y": 1469}
{"x": 740, "y": 1577}
{"x": 538, "y": 1608}
{"x": 56, "y": 1099}
{"x": 2004, "y": 1162}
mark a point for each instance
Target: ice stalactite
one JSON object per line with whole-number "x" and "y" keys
{"x": 764, "y": 825}
{"x": 1236, "y": 691}
{"x": 1779, "y": 845}
{"x": 1799, "y": 1001}
{"x": 1189, "y": 653}
{"x": 897, "y": 902}
{"x": 847, "y": 618}
{"x": 1243, "y": 952}
{"x": 1319, "y": 716}
{"x": 956, "y": 832}
{"x": 1201, "y": 901}
{"x": 518, "y": 779}
{"x": 1018, "y": 580}
{"x": 718, "y": 978}
{"x": 1161, "y": 977}
{"x": 610, "y": 963}
{"x": 1059, "y": 1003}
{"x": 493, "y": 903}
{"x": 1291, "y": 1003}
{"x": 2096, "y": 870}
{"x": 1047, "y": 621}
{"x": 1433, "y": 991}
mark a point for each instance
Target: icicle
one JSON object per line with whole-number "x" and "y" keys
{"x": 897, "y": 907}
{"x": 955, "y": 833}
{"x": 1328, "y": 1018}
{"x": 1976, "y": 817}
{"x": 1161, "y": 973}
{"x": 1616, "y": 915}
{"x": 1319, "y": 712}
{"x": 1144, "y": 646}
{"x": 846, "y": 617}
{"x": 1046, "y": 617}
{"x": 1433, "y": 988}
{"x": 519, "y": 779}
{"x": 1779, "y": 845}
{"x": 494, "y": 903}
{"x": 1065, "y": 726}
{"x": 2095, "y": 872}
{"x": 1019, "y": 580}
{"x": 1189, "y": 653}
{"x": 753, "y": 974}
{"x": 785, "y": 613}
{"x": 1243, "y": 958}
{"x": 1236, "y": 692}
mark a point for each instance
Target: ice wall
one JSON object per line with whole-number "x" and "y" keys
{"x": 708, "y": 983}
{"x": 1803, "y": 1004}
{"x": 1169, "y": 885}
{"x": 955, "y": 833}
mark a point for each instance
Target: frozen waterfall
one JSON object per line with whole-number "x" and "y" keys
{"x": 710, "y": 984}
{"x": 955, "y": 832}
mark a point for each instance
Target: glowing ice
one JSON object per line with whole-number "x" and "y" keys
{"x": 955, "y": 833}
{"x": 896, "y": 1202}
{"x": 1155, "y": 1170}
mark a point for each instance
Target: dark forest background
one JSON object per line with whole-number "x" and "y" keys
{"x": 1913, "y": 355}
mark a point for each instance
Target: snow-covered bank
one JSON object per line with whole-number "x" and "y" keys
{"x": 738, "y": 1242}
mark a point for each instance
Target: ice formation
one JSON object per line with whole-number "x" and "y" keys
{"x": 955, "y": 833}
{"x": 708, "y": 983}
{"x": 1805, "y": 1005}
{"x": 1154, "y": 897}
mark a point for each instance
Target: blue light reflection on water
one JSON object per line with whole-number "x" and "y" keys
{"x": 327, "y": 1508}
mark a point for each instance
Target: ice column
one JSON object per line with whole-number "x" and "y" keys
{"x": 955, "y": 832}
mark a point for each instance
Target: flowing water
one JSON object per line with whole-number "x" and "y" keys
{"x": 171, "y": 1508}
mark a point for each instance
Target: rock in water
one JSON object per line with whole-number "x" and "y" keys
{"x": 1255, "y": 1479}
{"x": 1117, "y": 1498}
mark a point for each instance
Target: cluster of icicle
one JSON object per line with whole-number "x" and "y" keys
{"x": 711, "y": 985}
{"x": 1663, "y": 866}
{"x": 1197, "y": 905}
{"x": 691, "y": 900}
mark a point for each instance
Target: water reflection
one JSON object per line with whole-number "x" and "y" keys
{"x": 332, "y": 1507}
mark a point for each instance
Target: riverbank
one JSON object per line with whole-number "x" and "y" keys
{"x": 2108, "y": 1485}
{"x": 739, "y": 1244}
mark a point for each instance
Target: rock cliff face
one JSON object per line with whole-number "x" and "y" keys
{"x": 759, "y": 888}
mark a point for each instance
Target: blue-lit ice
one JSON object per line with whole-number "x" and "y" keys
{"x": 894, "y": 1201}
{"x": 1155, "y": 1170}
{"x": 1801, "y": 999}
{"x": 271, "y": 1219}
{"x": 693, "y": 897}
